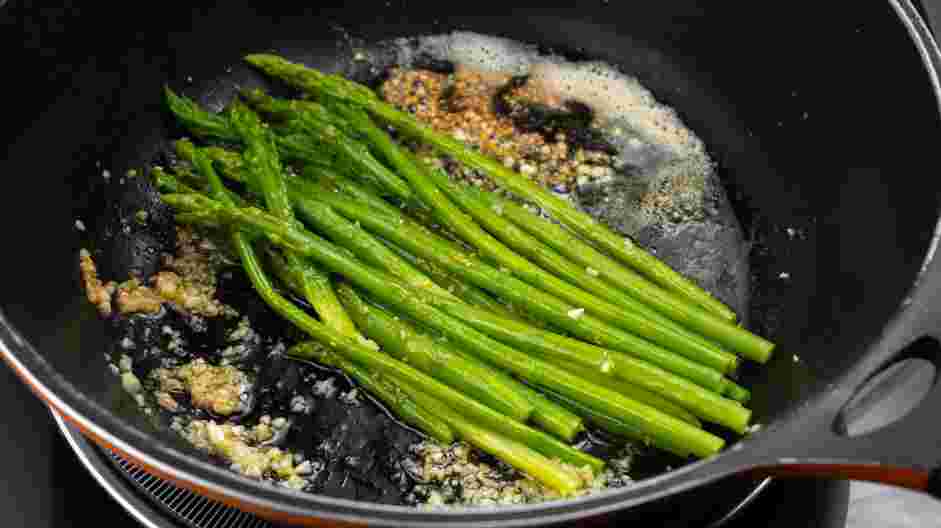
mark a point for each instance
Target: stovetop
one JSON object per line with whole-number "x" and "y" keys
{"x": 44, "y": 485}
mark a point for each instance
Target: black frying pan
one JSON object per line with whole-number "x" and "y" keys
{"x": 823, "y": 120}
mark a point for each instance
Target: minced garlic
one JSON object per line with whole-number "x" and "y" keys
{"x": 240, "y": 446}
{"x": 223, "y": 390}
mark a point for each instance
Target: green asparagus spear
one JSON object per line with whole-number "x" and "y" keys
{"x": 737, "y": 339}
{"x": 390, "y": 291}
{"x": 187, "y": 151}
{"x": 332, "y": 182}
{"x": 168, "y": 183}
{"x": 631, "y": 391}
{"x": 332, "y": 86}
{"x": 289, "y": 109}
{"x": 316, "y": 288}
{"x": 548, "y": 415}
{"x": 261, "y": 163}
{"x": 390, "y": 393}
{"x": 401, "y": 340}
{"x": 197, "y": 120}
{"x": 737, "y": 392}
{"x": 364, "y": 245}
{"x": 616, "y": 427}
{"x": 460, "y": 289}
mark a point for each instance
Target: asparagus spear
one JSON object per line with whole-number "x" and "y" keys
{"x": 364, "y": 245}
{"x": 390, "y": 291}
{"x": 309, "y": 113}
{"x": 460, "y": 289}
{"x": 615, "y": 426}
{"x": 631, "y": 391}
{"x": 261, "y": 163}
{"x": 548, "y": 415}
{"x": 187, "y": 151}
{"x": 663, "y": 301}
{"x": 332, "y": 86}
{"x": 391, "y": 393}
{"x": 555, "y": 348}
{"x": 197, "y": 120}
{"x": 168, "y": 183}
{"x": 400, "y": 339}
{"x": 737, "y": 393}
{"x": 332, "y": 182}
{"x": 493, "y": 387}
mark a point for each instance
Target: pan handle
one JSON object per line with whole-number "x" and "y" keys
{"x": 907, "y": 452}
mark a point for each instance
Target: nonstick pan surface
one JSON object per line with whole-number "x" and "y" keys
{"x": 822, "y": 121}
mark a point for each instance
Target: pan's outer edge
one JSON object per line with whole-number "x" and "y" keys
{"x": 295, "y": 508}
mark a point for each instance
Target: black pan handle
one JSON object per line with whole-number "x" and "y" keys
{"x": 906, "y": 452}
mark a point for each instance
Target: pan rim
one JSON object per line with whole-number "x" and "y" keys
{"x": 189, "y": 472}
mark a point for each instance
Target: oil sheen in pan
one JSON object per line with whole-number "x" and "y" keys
{"x": 666, "y": 194}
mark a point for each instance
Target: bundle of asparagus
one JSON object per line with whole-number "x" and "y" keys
{"x": 425, "y": 290}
